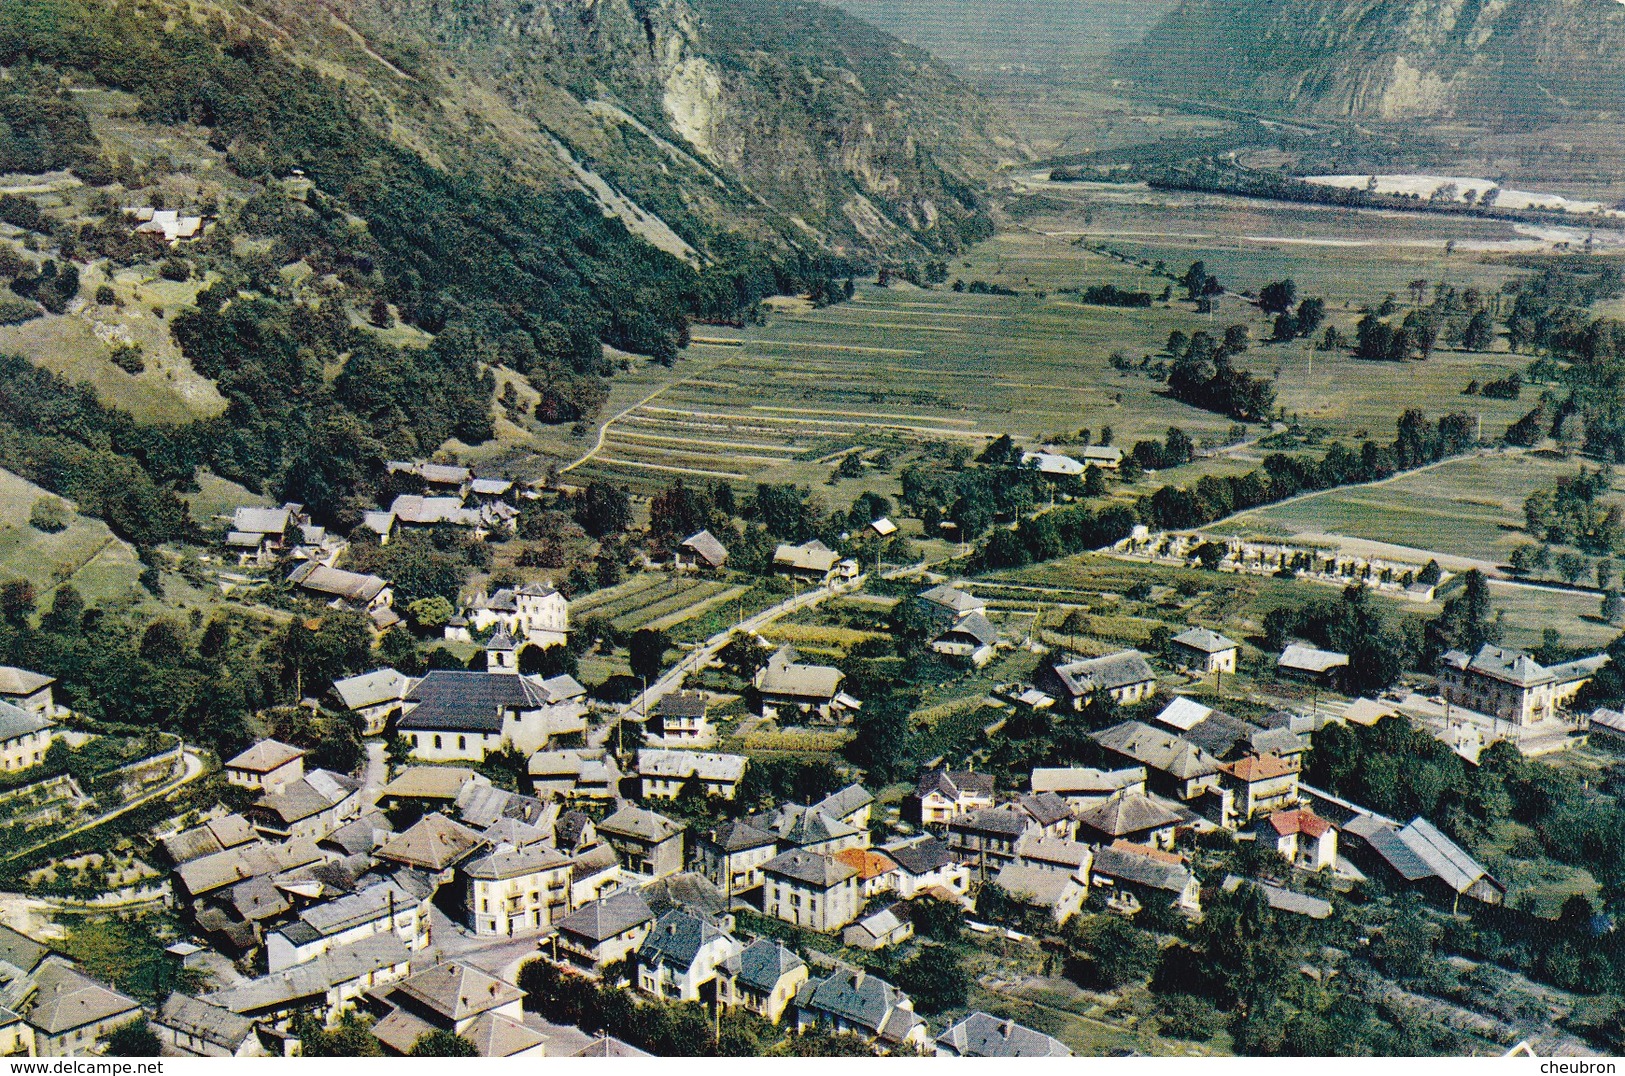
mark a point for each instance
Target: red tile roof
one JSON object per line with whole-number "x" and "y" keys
{"x": 1259, "y": 768}
{"x": 1148, "y": 852}
{"x": 1301, "y": 821}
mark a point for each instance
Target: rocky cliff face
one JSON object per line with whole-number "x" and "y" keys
{"x": 1489, "y": 59}
{"x": 769, "y": 117}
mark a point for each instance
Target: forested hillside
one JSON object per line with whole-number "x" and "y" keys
{"x": 1513, "y": 63}
{"x": 515, "y": 186}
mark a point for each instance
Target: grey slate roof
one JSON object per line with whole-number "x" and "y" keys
{"x": 1208, "y": 642}
{"x": 1283, "y": 900}
{"x": 1127, "y": 814}
{"x": 205, "y": 1020}
{"x": 603, "y": 919}
{"x": 68, "y": 999}
{"x": 849, "y": 799}
{"x": 1083, "y": 780}
{"x": 953, "y": 599}
{"x": 1157, "y": 749}
{"x": 639, "y": 824}
{"x": 981, "y": 1035}
{"x": 810, "y": 868}
{"x": 975, "y": 627}
{"x": 370, "y": 689}
{"x": 763, "y": 962}
{"x": 861, "y": 999}
{"x": 677, "y": 938}
{"x": 1300, "y": 658}
{"x": 706, "y": 546}
{"x": 15, "y": 722}
{"x": 466, "y": 701}
{"x": 737, "y": 836}
{"x": 921, "y": 858}
{"x": 682, "y": 704}
{"x": 1105, "y": 673}
{"x": 15, "y": 682}
{"x": 952, "y": 783}
{"x": 1039, "y": 886}
{"x": 265, "y": 756}
{"x": 1004, "y": 821}
{"x": 520, "y": 861}
{"x": 1140, "y": 869}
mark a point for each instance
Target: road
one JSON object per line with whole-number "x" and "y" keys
{"x": 195, "y": 768}
{"x": 707, "y": 651}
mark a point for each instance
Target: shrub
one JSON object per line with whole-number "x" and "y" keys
{"x": 50, "y": 515}
{"x": 127, "y": 357}
{"x": 175, "y": 269}
{"x": 17, "y": 311}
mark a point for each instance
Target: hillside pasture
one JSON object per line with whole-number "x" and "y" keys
{"x": 86, "y": 552}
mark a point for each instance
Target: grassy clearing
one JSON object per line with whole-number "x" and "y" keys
{"x": 101, "y": 566}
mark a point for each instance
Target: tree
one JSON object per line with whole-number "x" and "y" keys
{"x": 603, "y": 509}
{"x": 163, "y": 642}
{"x": 1107, "y": 952}
{"x": 51, "y": 515}
{"x": 430, "y": 614}
{"x": 66, "y": 612}
{"x": 1613, "y": 607}
{"x": 442, "y": 1043}
{"x": 647, "y": 652}
{"x": 938, "y": 919}
{"x": 935, "y": 978}
{"x": 1570, "y": 567}
{"x": 1480, "y": 332}
{"x": 134, "y": 1039}
{"x": 1430, "y": 573}
{"x": 1211, "y": 555}
{"x": 1277, "y": 297}
{"x": 16, "y": 600}
{"x": 1311, "y": 313}
{"x": 1606, "y": 571}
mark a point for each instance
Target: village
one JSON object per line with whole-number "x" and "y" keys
{"x": 508, "y": 832}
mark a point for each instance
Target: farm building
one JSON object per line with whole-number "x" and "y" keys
{"x": 1309, "y": 663}
{"x": 1202, "y": 651}
{"x": 375, "y": 697}
{"x": 972, "y": 638}
{"x": 1052, "y": 463}
{"x": 701, "y": 550}
{"x": 1109, "y": 457}
{"x": 787, "y": 685}
{"x": 348, "y": 590}
{"x": 1125, "y": 676}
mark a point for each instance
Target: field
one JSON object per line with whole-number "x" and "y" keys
{"x": 1470, "y": 507}
{"x": 100, "y": 566}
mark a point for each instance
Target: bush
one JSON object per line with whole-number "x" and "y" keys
{"x": 17, "y": 311}
{"x": 175, "y": 269}
{"x": 50, "y": 515}
{"x": 105, "y": 295}
{"x": 127, "y": 357}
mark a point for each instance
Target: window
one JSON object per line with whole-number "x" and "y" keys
{"x": 437, "y": 742}
{"x": 462, "y": 743}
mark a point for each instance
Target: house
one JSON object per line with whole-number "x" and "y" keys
{"x": 1049, "y": 812}
{"x": 25, "y": 737}
{"x": 810, "y": 829}
{"x": 1262, "y": 783}
{"x": 417, "y": 510}
{"x": 1130, "y": 816}
{"x": 311, "y": 807}
{"x": 1136, "y": 875}
{"x": 28, "y": 691}
{"x": 595, "y": 872}
{"x": 16, "y": 1036}
{"x": 813, "y": 561}
{"x": 877, "y": 872}
{"x": 925, "y": 864}
{"x": 72, "y": 1013}
{"x": 1228, "y": 738}
{"x": 457, "y": 715}
{"x": 680, "y": 720}
{"x": 1509, "y": 685}
{"x": 647, "y": 844}
{"x": 445, "y": 478}
{"x": 514, "y": 890}
{"x": 1052, "y": 463}
{"x": 1173, "y": 765}
{"x": 1609, "y": 723}
{"x": 193, "y": 1028}
{"x": 664, "y": 774}
{"x": 762, "y": 978}
{"x": 986, "y": 839}
{"x": 1056, "y": 854}
{"x": 606, "y": 931}
{"x": 681, "y": 953}
{"x": 433, "y": 844}
{"x": 787, "y": 685}
{"x": 207, "y": 838}
{"x": 430, "y": 788}
{"x": 1125, "y": 676}
{"x": 946, "y": 604}
{"x": 577, "y": 773}
{"x": 347, "y": 590}
{"x": 209, "y": 875}
{"x": 268, "y": 766}
{"x": 377, "y": 698}
{"x": 168, "y": 225}
{"x": 850, "y": 1001}
{"x": 691, "y": 892}
{"x": 1109, "y": 457}
{"x": 259, "y": 535}
{"x": 1303, "y": 838}
{"x": 810, "y": 889}
{"x": 883, "y": 527}
{"x": 971, "y": 638}
{"x": 942, "y": 795}
{"x": 732, "y": 855}
{"x": 329, "y": 985}
{"x": 1282, "y": 900}
{"x": 1061, "y": 895}
{"x": 701, "y": 550}
{"x": 1302, "y": 662}
{"x": 1202, "y": 651}
{"x": 535, "y": 613}
{"x": 882, "y": 930}
{"x": 1083, "y": 787}
{"x": 385, "y": 907}
{"x": 461, "y": 999}
{"x": 981, "y": 1035}
{"x": 851, "y": 805}
{"x": 1419, "y": 853}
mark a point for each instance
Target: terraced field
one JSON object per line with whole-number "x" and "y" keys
{"x": 658, "y": 601}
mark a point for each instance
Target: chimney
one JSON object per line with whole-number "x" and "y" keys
{"x": 857, "y": 979}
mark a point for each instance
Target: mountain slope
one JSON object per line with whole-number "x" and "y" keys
{"x": 1485, "y": 59}
{"x": 1029, "y": 33}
